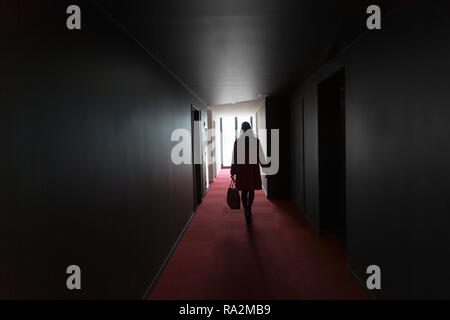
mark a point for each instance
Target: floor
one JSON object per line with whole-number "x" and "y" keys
{"x": 278, "y": 256}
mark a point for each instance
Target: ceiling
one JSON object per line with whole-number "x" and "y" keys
{"x": 238, "y": 50}
{"x": 239, "y": 109}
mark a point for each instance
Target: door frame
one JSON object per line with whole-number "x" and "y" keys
{"x": 197, "y": 173}
{"x": 332, "y": 215}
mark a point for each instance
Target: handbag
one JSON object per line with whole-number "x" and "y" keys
{"x": 233, "y": 199}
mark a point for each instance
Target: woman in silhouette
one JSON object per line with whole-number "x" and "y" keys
{"x": 245, "y": 166}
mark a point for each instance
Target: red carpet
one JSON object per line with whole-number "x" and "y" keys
{"x": 278, "y": 257}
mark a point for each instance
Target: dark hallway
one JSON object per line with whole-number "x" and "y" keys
{"x": 118, "y": 119}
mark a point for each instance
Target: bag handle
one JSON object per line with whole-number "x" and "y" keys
{"x": 232, "y": 183}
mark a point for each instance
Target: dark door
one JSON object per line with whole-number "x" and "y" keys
{"x": 196, "y": 149}
{"x": 332, "y": 185}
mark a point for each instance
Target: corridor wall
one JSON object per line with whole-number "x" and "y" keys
{"x": 397, "y": 138}
{"x": 86, "y": 176}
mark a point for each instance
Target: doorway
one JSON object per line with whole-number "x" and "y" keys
{"x": 196, "y": 150}
{"x": 332, "y": 171}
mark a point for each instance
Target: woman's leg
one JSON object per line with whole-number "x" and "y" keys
{"x": 251, "y": 198}
{"x": 247, "y": 213}
{"x": 244, "y": 197}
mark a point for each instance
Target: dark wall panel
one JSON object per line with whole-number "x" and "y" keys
{"x": 397, "y": 131}
{"x": 296, "y": 146}
{"x": 85, "y": 172}
{"x": 277, "y": 111}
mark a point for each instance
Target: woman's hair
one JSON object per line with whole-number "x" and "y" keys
{"x": 245, "y": 126}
